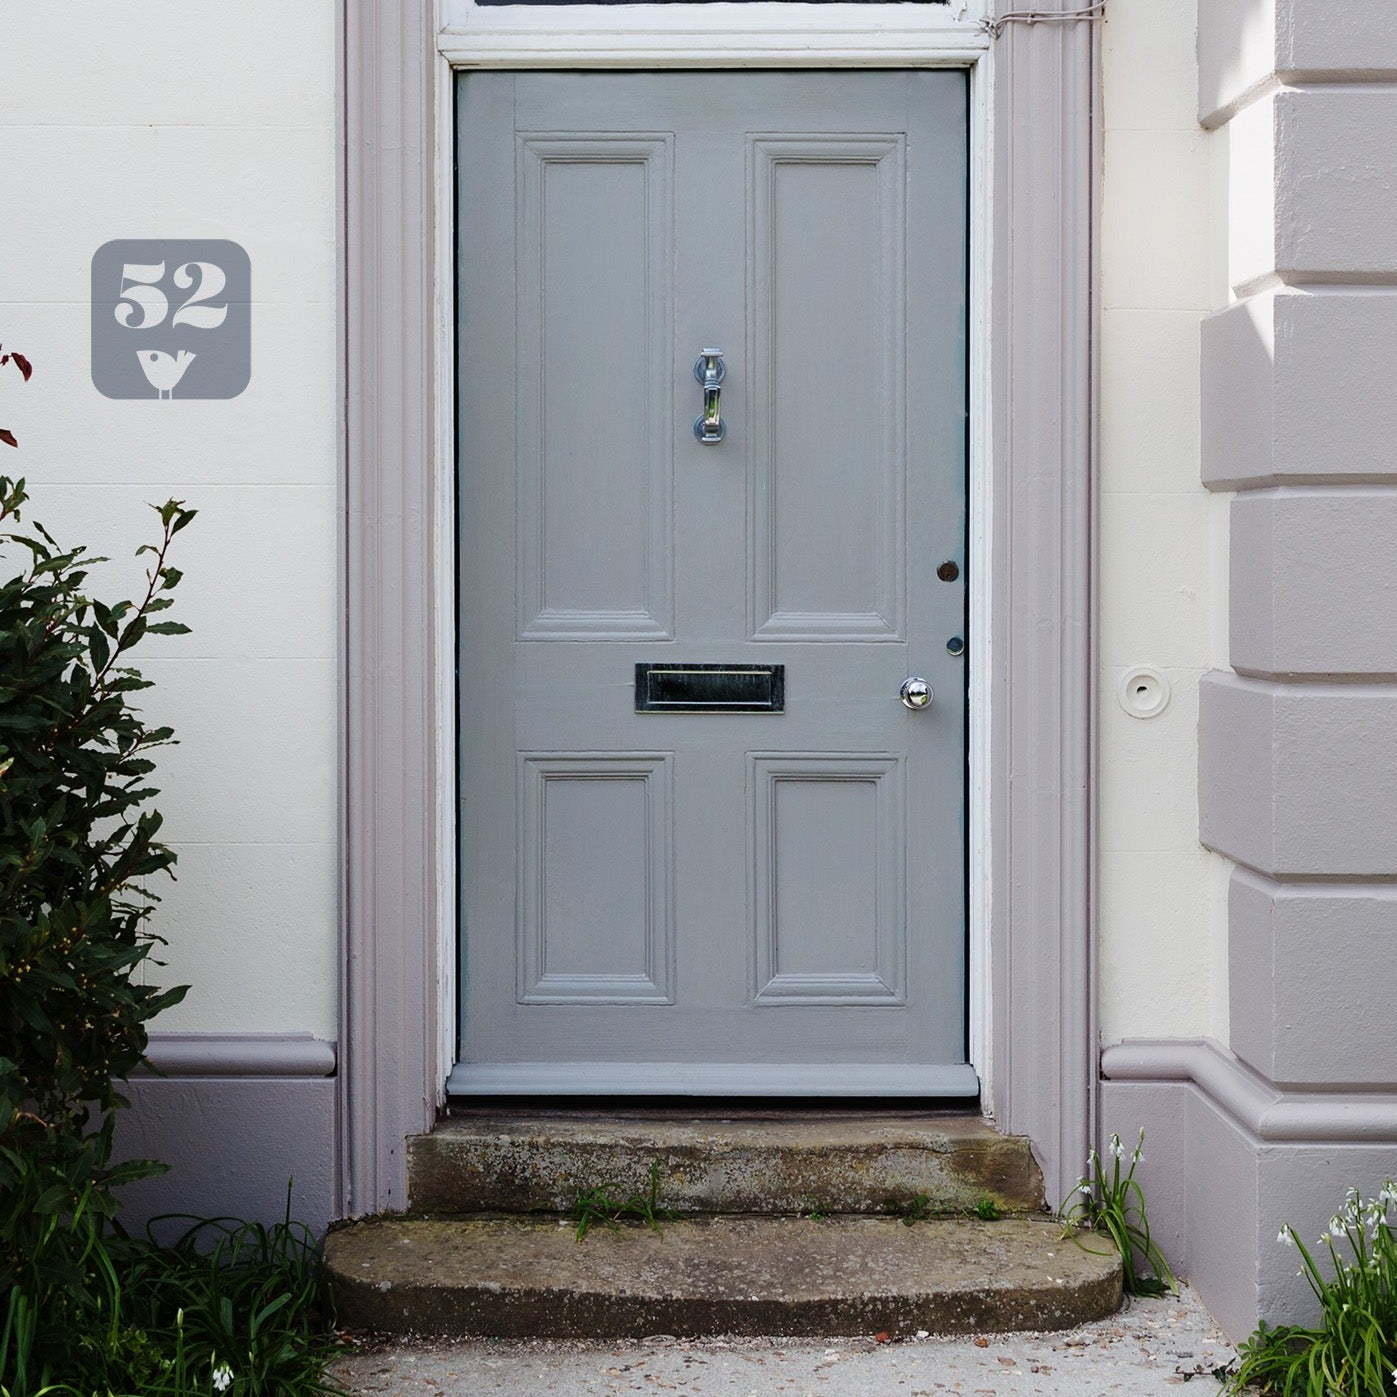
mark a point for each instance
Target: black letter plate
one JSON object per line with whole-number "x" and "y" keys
{"x": 710, "y": 688}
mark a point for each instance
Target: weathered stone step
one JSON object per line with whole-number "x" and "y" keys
{"x": 518, "y": 1277}
{"x": 749, "y": 1162}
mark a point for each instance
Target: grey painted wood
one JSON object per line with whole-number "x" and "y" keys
{"x": 708, "y": 896}
{"x": 1042, "y": 795}
{"x": 389, "y": 1080}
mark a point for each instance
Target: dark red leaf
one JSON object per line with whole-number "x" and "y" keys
{"x": 8, "y": 437}
{"x": 25, "y": 367}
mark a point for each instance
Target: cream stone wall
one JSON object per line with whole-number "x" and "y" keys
{"x": 158, "y": 119}
{"x": 1162, "y": 562}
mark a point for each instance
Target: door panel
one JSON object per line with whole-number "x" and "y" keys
{"x": 704, "y": 902}
{"x": 584, "y": 938}
{"x": 594, "y": 288}
{"x": 828, "y": 863}
{"x": 826, "y": 309}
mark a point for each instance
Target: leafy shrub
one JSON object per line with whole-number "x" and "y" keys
{"x": 1353, "y": 1350}
{"x": 78, "y": 848}
{"x": 231, "y": 1308}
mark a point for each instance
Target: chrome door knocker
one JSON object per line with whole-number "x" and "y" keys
{"x": 710, "y": 371}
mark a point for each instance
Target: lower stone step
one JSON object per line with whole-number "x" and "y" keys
{"x": 525, "y": 1277}
{"x": 489, "y": 1161}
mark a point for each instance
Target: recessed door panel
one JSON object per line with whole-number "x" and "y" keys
{"x": 595, "y": 923}
{"x": 827, "y": 307}
{"x": 594, "y": 301}
{"x": 828, "y": 859}
{"x": 711, "y": 412}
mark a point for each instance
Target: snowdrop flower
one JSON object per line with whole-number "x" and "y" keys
{"x": 1285, "y": 1236}
{"x": 1336, "y": 1227}
{"x": 1117, "y": 1149}
{"x": 222, "y": 1378}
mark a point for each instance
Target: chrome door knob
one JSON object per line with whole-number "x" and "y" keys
{"x": 916, "y": 692}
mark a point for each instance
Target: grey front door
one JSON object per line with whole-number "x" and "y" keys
{"x": 656, "y": 900}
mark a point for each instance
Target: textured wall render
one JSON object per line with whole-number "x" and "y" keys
{"x": 1297, "y": 388}
{"x": 1314, "y": 976}
{"x": 1314, "y": 582}
{"x": 164, "y": 122}
{"x": 1234, "y": 1158}
{"x": 1156, "y": 909}
{"x": 1245, "y": 44}
{"x": 1298, "y": 781}
{"x": 1298, "y": 753}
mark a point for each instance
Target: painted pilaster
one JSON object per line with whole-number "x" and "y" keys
{"x": 1298, "y": 747}
{"x": 1044, "y": 1015}
{"x": 1298, "y": 740}
{"x": 389, "y": 1004}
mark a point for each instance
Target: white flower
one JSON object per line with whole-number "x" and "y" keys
{"x": 1117, "y": 1149}
{"x": 1285, "y": 1236}
{"x": 222, "y": 1378}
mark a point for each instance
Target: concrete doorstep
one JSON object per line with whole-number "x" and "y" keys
{"x": 1151, "y": 1348}
{"x": 524, "y": 1277}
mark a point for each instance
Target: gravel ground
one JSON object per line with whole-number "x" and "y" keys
{"x": 1151, "y": 1348}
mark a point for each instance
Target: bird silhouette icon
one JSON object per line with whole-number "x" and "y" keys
{"x": 163, "y": 371}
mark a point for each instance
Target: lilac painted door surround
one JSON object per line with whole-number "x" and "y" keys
{"x": 392, "y": 1071}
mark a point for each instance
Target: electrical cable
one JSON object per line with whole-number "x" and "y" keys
{"x": 995, "y": 27}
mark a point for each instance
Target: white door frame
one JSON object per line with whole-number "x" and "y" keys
{"x": 1031, "y": 375}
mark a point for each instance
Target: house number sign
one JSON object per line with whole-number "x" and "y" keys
{"x": 171, "y": 318}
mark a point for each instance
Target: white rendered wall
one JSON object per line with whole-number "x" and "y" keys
{"x": 1163, "y": 569}
{"x": 155, "y": 118}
